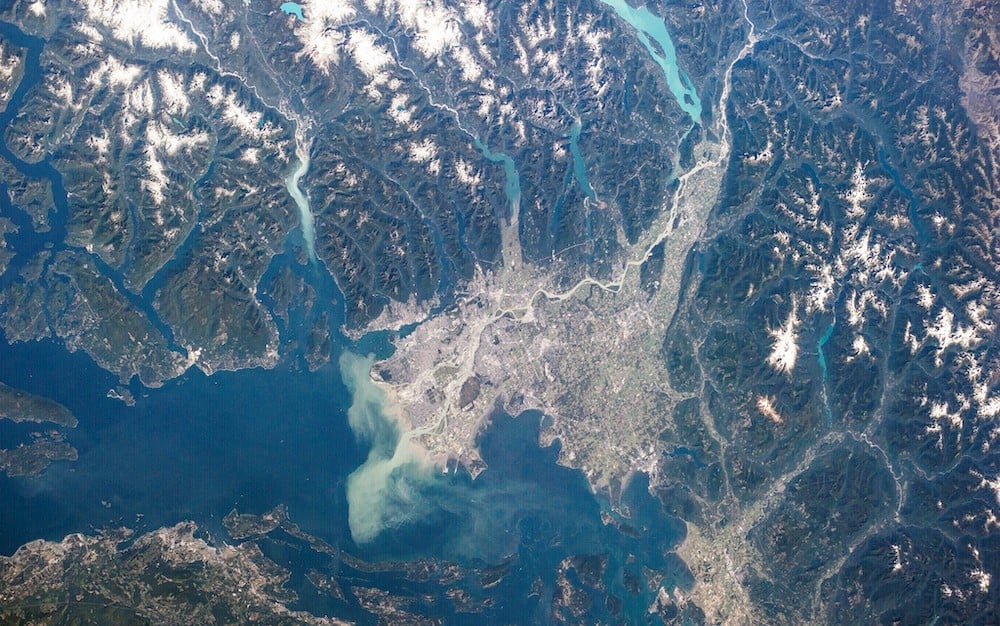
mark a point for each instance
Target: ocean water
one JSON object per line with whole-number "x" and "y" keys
{"x": 253, "y": 439}
{"x": 193, "y": 449}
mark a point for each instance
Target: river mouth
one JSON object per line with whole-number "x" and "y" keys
{"x": 306, "y": 219}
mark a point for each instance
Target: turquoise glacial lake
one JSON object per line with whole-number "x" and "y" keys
{"x": 651, "y": 28}
{"x": 293, "y": 8}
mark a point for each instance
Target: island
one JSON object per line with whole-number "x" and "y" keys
{"x": 31, "y": 458}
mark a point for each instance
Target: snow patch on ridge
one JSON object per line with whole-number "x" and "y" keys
{"x": 785, "y": 349}
{"x": 139, "y": 23}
